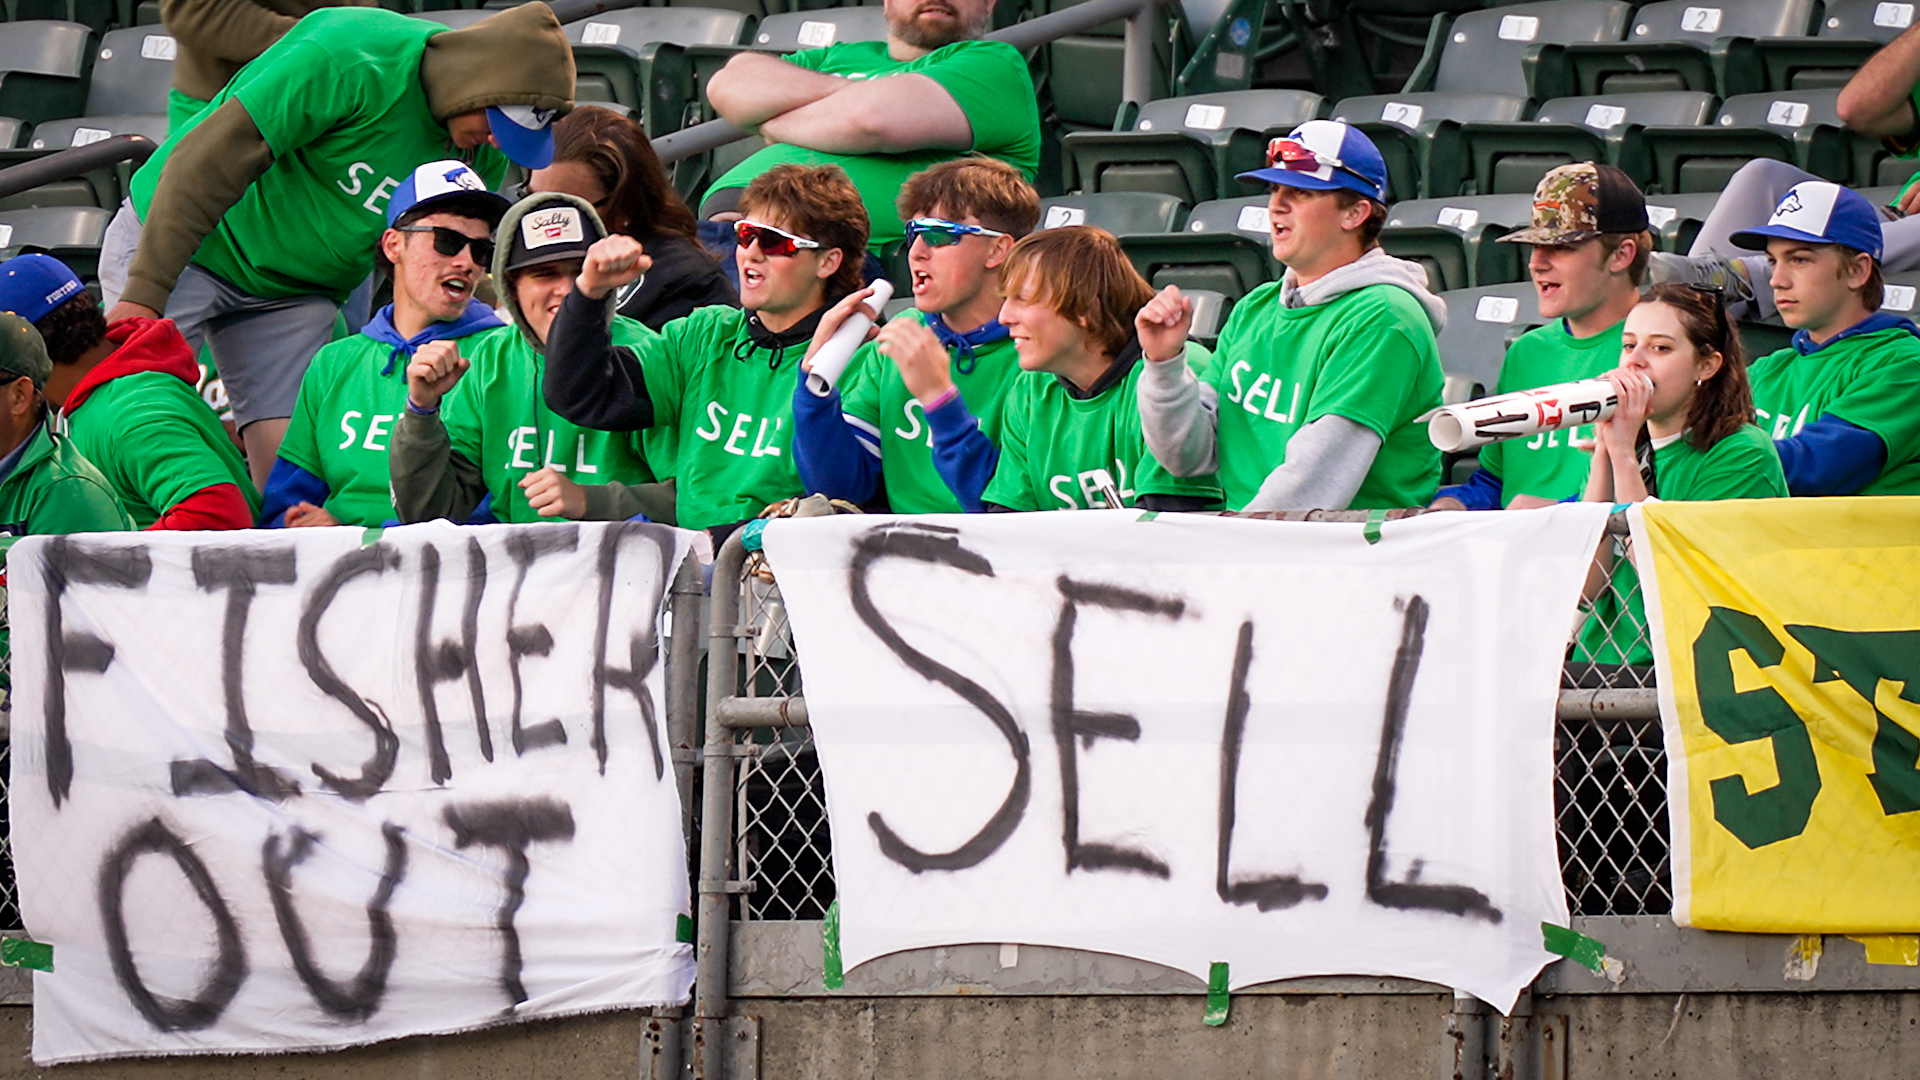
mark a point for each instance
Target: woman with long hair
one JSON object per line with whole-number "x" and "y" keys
{"x": 604, "y": 158}
{"x": 1683, "y": 430}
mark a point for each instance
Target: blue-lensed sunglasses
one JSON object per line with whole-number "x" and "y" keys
{"x": 939, "y": 232}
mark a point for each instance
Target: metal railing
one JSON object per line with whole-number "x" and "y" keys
{"x": 67, "y": 164}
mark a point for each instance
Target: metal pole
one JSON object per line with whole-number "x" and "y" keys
{"x": 683, "y": 685}
{"x": 1136, "y": 82}
{"x": 1463, "y": 1054}
{"x": 716, "y": 818}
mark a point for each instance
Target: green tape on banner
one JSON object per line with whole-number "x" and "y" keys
{"x": 371, "y": 536}
{"x": 683, "y": 929}
{"x": 751, "y": 532}
{"x": 1147, "y": 515}
{"x": 1573, "y": 945}
{"x": 22, "y": 952}
{"x": 1218, "y": 1003}
{"x": 830, "y": 972}
{"x": 1372, "y": 529}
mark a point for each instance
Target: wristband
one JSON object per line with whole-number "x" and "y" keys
{"x": 418, "y": 411}
{"x": 952, "y": 391}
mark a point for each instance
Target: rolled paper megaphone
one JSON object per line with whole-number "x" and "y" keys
{"x": 832, "y": 359}
{"x": 1472, "y": 424}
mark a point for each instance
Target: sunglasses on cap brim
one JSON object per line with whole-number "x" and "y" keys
{"x": 449, "y": 242}
{"x": 1295, "y": 156}
{"x": 773, "y": 242}
{"x": 939, "y": 232}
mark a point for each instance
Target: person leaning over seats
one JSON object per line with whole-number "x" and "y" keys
{"x": 261, "y": 215}
{"x": 214, "y": 39}
{"x": 125, "y": 397}
{"x": 1842, "y": 402}
{"x": 333, "y": 462}
{"x": 1070, "y": 434}
{"x": 605, "y": 158}
{"x": 474, "y": 426}
{"x": 47, "y": 486}
{"x": 883, "y": 110}
{"x": 919, "y": 415}
{"x": 1320, "y": 378}
{"x": 1590, "y": 248}
{"x": 720, "y": 381}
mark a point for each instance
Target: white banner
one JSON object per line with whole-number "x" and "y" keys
{"x": 1194, "y": 740}
{"x": 321, "y": 787}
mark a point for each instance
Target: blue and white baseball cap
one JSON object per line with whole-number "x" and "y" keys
{"x": 451, "y": 183}
{"x": 33, "y": 285}
{"x": 1819, "y": 212}
{"x": 524, "y": 132}
{"x": 1321, "y": 155}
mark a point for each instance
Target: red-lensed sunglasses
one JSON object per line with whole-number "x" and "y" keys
{"x": 1295, "y": 156}
{"x": 773, "y": 242}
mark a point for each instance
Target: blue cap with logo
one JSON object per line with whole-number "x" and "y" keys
{"x": 1322, "y": 155}
{"x": 524, "y": 132}
{"x": 1819, "y": 212}
{"x": 446, "y": 182}
{"x": 32, "y": 285}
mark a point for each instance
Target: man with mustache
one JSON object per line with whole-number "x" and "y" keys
{"x": 882, "y": 110}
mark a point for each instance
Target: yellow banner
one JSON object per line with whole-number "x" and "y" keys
{"x": 1787, "y": 638}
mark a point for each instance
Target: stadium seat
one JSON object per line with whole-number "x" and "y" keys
{"x": 66, "y": 134}
{"x": 1702, "y": 45}
{"x": 1494, "y": 51}
{"x": 68, "y": 233}
{"x": 43, "y": 69}
{"x": 1122, "y": 213}
{"x": 1799, "y": 126}
{"x": 1849, "y": 32}
{"x": 11, "y": 129}
{"x": 1190, "y": 147}
{"x": 637, "y": 57}
{"x": 795, "y": 30}
{"x": 1480, "y": 324}
{"x": 1224, "y": 248}
{"x": 1676, "y": 219}
{"x": 1417, "y": 133}
{"x": 131, "y": 74}
{"x": 1902, "y": 292}
{"x": 1210, "y": 311}
{"x": 1503, "y": 158}
{"x": 1455, "y": 239}
{"x": 97, "y": 15}
{"x": 1083, "y": 71}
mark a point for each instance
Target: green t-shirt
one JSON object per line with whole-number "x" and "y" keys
{"x": 1869, "y": 380}
{"x": 730, "y": 405}
{"x": 1061, "y": 452}
{"x": 53, "y": 489}
{"x": 180, "y": 109}
{"x": 1368, "y": 356}
{"x": 343, "y": 422}
{"x": 340, "y": 103}
{"x": 876, "y": 396}
{"x": 1744, "y": 465}
{"x": 987, "y": 79}
{"x": 154, "y": 439}
{"x": 497, "y": 419}
{"x": 1548, "y": 465}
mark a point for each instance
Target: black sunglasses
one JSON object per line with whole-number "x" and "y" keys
{"x": 449, "y": 242}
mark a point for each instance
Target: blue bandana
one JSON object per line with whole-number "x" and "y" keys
{"x": 475, "y": 318}
{"x": 963, "y": 344}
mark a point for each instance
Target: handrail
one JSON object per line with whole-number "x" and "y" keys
{"x": 574, "y": 10}
{"x": 1136, "y": 84}
{"x": 67, "y": 164}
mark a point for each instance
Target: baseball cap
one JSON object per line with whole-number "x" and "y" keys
{"x": 1322, "y": 155}
{"x": 524, "y": 132}
{"x": 34, "y": 284}
{"x": 1575, "y": 203}
{"x": 551, "y": 227}
{"x": 23, "y": 351}
{"x": 446, "y": 183}
{"x": 1822, "y": 213}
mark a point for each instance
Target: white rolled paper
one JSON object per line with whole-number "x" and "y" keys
{"x": 832, "y": 359}
{"x": 1529, "y": 412}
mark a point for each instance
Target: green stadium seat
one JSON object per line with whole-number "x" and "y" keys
{"x": 1480, "y": 324}
{"x": 147, "y": 13}
{"x": 1224, "y": 248}
{"x": 11, "y": 128}
{"x": 43, "y": 69}
{"x": 1702, "y": 45}
{"x": 1903, "y": 290}
{"x": 1455, "y": 239}
{"x": 1800, "y": 126}
{"x": 795, "y": 30}
{"x": 637, "y": 57}
{"x": 1849, "y": 32}
{"x": 132, "y": 73}
{"x": 1676, "y": 219}
{"x": 97, "y": 15}
{"x": 1210, "y": 311}
{"x": 1502, "y": 158}
{"x": 1083, "y": 71}
{"x": 1417, "y": 133}
{"x": 1494, "y": 51}
{"x": 80, "y": 131}
{"x": 68, "y": 233}
{"x": 1190, "y": 147}
{"x": 1122, "y": 213}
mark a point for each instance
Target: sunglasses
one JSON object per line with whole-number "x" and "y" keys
{"x": 939, "y": 232}
{"x": 1295, "y": 156}
{"x": 449, "y": 242}
{"x": 773, "y": 242}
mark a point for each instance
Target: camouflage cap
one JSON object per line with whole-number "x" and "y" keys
{"x": 1575, "y": 203}
{"x": 22, "y": 352}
